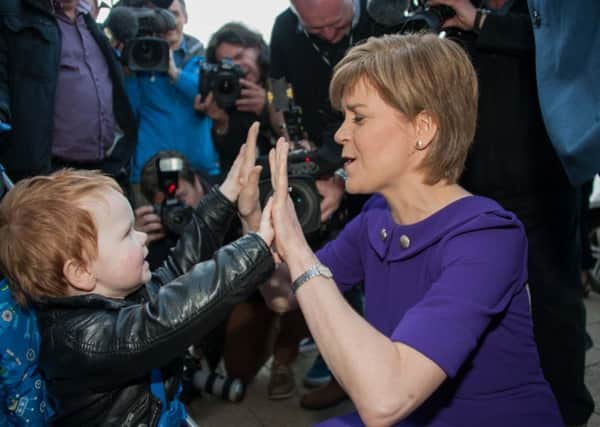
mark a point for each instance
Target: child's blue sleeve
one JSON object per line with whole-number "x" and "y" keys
{"x": 23, "y": 398}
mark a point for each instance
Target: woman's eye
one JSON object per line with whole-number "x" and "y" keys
{"x": 357, "y": 119}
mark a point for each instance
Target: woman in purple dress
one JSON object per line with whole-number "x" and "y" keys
{"x": 447, "y": 339}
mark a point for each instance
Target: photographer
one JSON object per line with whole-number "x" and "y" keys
{"x": 164, "y": 102}
{"x": 246, "y": 48}
{"x": 61, "y": 91}
{"x": 191, "y": 188}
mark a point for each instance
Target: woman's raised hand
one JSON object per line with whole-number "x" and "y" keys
{"x": 288, "y": 232}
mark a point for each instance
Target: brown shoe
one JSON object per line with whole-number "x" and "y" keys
{"x": 281, "y": 384}
{"x": 324, "y": 397}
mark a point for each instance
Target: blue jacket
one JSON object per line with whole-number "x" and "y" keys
{"x": 167, "y": 119}
{"x": 567, "y": 43}
{"x": 23, "y": 400}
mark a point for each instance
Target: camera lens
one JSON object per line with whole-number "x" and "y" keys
{"x": 226, "y": 86}
{"x": 306, "y": 203}
{"x": 147, "y": 53}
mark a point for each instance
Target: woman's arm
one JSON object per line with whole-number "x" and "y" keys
{"x": 385, "y": 380}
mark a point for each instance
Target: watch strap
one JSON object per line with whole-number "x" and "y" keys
{"x": 313, "y": 271}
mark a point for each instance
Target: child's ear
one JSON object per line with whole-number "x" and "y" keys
{"x": 78, "y": 276}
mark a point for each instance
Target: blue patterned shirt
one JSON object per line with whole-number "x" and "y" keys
{"x": 23, "y": 397}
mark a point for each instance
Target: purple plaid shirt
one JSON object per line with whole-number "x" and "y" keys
{"x": 83, "y": 114}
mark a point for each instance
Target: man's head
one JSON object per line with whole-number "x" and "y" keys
{"x": 330, "y": 20}
{"x": 70, "y": 233}
{"x": 190, "y": 187}
{"x": 178, "y": 9}
{"x": 242, "y": 45}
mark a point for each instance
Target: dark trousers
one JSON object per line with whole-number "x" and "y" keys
{"x": 551, "y": 220}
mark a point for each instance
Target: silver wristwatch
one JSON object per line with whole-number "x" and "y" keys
{"x": 313, "y": 271}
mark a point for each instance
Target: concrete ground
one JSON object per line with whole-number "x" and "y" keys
{"x": 258, "y": 411}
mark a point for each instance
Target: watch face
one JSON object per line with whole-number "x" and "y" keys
{"x": 325, "y": 272}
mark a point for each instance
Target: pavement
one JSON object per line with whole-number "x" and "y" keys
{"x": 256, "y": 410}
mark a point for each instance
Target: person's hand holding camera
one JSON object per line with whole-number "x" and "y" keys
{"x": 147, "y": 221}
{"x": 465, "y": 14}
{"x": 332, "y": 192}
{"x": 253, "y": 97}
{"x": 173, "y": 71}
{"x": 209, "y": 107}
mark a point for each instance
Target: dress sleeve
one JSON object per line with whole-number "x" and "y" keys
{"x": 481, "y": 271}
{"x": 343, "y": 255}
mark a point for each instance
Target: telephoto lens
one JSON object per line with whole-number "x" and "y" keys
{"x": 216, "y": 384}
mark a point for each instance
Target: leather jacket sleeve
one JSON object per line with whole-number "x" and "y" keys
{"x": 185, "y": 300}
{"x": 201, "y": 238}
{"x": 131, "y": 340}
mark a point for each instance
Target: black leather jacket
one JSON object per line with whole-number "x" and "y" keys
{"x": 97, "y": 352}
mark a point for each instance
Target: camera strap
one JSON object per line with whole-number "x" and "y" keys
{"x": 323, "y": 55}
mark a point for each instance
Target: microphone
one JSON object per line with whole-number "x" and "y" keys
{"x": 389, "y": 13}
{"x": 121, "y": 24}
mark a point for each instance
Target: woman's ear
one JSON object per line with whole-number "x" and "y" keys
{"x": 426, "y": 128}
{"x": 78, "y": 276}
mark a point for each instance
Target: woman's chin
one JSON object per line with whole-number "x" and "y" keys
{"x": 354, "y": 187}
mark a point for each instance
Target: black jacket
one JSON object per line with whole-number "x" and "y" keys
{"x": 30, "y": 46}
{"x": 97, "y": 352}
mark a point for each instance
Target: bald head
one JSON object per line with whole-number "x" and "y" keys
{"x": 329, "y": 20}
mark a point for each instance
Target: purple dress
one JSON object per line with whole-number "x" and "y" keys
{"x": 453, "y": 287}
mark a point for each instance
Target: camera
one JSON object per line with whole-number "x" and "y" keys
{"x": 423, "y": 17}
{"x": 409, "y": 16}
{"x": 139, "y": 28}
{"x": 173, "y": 214}
{"x": 223, "y": 80}
{"x": 304, "y": 168}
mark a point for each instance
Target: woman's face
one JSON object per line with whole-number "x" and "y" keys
{"x": 378, "y": 141}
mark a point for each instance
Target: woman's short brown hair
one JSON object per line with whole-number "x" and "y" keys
{"x": 43, "y": 225}
{"x": 414, "y": 73}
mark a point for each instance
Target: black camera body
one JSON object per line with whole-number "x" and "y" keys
{"x": 146, "y": 51}
{"x": 173, "y": 214}
{"x": 427, "y": 17}
{"x": 304, "y": 168}
{"x": 223, "y": 80}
